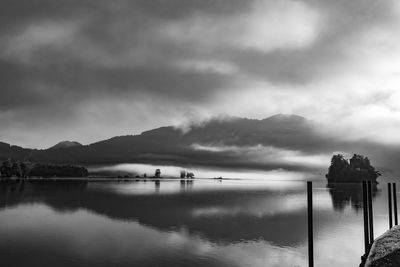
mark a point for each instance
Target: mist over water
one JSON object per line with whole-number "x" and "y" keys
{"x": 201, "y": 222}
{"x": 204, "y": 172}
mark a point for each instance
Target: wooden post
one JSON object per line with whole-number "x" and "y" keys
{"x": 370, "y": 214}
{"x": 365, "y": 211}
{"x": 395, "y": 204}
{"x": 310, "y": 225}
{"x": 390, "y": 205}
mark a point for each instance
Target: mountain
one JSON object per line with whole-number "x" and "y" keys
{"x": 281, "y": 141}
{"x": 216, "y": 142}
{"x": 271, "y": 143}
{"x": 66, "y": 144}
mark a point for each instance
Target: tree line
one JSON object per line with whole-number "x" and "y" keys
{"x": 18, "y": 169}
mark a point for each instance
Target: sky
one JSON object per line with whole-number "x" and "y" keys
{"x": 88, "y": 70}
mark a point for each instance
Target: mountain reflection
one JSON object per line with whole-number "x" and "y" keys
{"x": 228, "y": 216}
{"x": 344, "y": 195}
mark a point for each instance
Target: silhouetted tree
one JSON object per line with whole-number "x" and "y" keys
{"x": 16, "y": 169}
{"x": 359, "y": 169}
{"x": 6, "y": 169}
{"x": 24, "y": 169}
{"x": 183, "y": 174}
{"x": 157, "y": 174}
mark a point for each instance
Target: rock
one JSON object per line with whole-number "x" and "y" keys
{"x": 385, "y": 251}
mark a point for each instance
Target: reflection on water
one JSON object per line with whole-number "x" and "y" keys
{"x": 349, "y": 194}
{"x": 180, "y": 223}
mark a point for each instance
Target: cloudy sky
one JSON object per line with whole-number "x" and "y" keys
{"x": 87, "y": 70}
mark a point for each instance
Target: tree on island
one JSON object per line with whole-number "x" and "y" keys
{"x": 358, "y": 169}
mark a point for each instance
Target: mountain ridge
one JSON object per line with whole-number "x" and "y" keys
{"x": 172, "y": 145}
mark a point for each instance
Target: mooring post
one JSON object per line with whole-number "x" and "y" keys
{"x": 390, "y": 205}
{"x": 365, "y": 211}
{"x": 370, "y": 214}
{"x": 310, "y": 225}
{"x": 395, "y": 204}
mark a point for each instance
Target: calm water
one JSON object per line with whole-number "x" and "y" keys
{"x": 173, "y": 223}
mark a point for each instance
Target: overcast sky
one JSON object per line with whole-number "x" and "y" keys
{"x": 88, "y": 70}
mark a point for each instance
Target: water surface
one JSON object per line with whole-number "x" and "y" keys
{"x": 181, "y": 223}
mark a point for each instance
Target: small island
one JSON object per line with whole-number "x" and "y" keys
{"x": 357, "y": 169}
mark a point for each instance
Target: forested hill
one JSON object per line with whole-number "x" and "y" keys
{"x": 173, "y": 145}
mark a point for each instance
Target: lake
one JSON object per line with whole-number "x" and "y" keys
{"x": 203, "y": 222}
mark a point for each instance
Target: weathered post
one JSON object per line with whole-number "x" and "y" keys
{"x": 365, "y": 211}
{"x": 395, "y": 204}
{"x": 310, "y": 225}
{"x": 390, "y": 205}
{"x": 370, "y": 214}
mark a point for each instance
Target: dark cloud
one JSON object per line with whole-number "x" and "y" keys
{"x": 59, "y": 57}
{"x": 120, "y": 29}
{"x": 67, "y": 82}
{"x": 40, "y": 73}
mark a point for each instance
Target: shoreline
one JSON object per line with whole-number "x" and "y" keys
{"x": 141, "y": 179}
{"x": 107, "y": 179}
